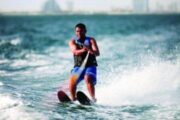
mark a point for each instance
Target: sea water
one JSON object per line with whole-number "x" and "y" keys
{"x": 138, "y": 75}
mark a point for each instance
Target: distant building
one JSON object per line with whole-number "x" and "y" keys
{"x": 178, "y": 6}
{"x": 171, "y": 7}
{"x": 70, "y": 5}
{"x": 51, "y": 7}
{"x": 140, "y": 6}
{"x": 159, "y": 8}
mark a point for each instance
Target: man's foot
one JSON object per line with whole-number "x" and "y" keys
{"x": 94, "y": 100}
{"x": 74, "y": 99}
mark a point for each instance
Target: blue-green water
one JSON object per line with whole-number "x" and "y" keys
{"x": 138, "y": 72}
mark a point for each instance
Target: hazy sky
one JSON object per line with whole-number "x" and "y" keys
{"x": 85, "y": 5}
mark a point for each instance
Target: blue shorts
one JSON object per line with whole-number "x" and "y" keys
{"x": 91, "y": 71}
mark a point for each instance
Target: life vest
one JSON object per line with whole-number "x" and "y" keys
{"x": 78, "y": 59}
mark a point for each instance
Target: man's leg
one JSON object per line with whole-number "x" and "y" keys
{"x": 72, "y": 87}
{"x": 90, "y": 86}
{"x": 76, "y": 77}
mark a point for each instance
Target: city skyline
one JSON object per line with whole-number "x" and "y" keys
{"x": 93, "y": 6}
{"x": 141, "y": 6}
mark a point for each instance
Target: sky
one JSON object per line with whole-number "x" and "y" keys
{"x": 78, "y": 5}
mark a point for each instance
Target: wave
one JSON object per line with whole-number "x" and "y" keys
{"x": 10, "y": 47}
{"x": 14, "y": 41}
{"x": 14, "y": 109}
{"x": 1, "y": 84}
{"x": 53, "y": 63}
{"x": 154, "y": 83}
{"x": 17, "y": 46}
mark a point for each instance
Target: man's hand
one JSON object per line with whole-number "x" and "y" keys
{"x": 88, "y": 49}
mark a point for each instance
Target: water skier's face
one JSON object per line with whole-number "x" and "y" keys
{"x": 80, "y": 33}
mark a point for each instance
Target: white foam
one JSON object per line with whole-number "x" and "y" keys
{"x": 13, "y": 109}
{"x": 19, "y": 63}
{"x": 154, "y": 83}
{"x": 6, "y": 102}
{"x": 4, "y": 61}
{"x": 59, "y": 52}
{"x": 1, "y": 84}
{"x": 16, "y": 41}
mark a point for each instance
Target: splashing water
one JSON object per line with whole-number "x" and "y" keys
{"x": 152, "y": 84}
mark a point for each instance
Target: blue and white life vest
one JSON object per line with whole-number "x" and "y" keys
{"x": 78, "y": 59}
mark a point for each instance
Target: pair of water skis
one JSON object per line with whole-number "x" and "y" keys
{"x": 81, "y": 97}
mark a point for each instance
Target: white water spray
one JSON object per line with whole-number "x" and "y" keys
{"x": 154, "y": 83}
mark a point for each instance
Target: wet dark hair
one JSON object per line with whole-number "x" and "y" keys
{"x": 81, "y": 25}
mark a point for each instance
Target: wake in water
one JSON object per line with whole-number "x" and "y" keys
{"x": 155, "y": 83}
{"x": 14, "y": 109}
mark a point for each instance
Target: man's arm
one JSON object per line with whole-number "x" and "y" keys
{"x": 94, "y": 47}
{"x": 74, "y": 49}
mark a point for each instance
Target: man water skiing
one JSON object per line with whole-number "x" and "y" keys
{"x": 81, "y": 46}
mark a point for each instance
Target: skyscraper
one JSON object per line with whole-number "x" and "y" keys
{"x": 70, "y": 5}
{"x": 51, "y": 7}
{"x": 178, "y": 6}
{"x": 141, "y": 6}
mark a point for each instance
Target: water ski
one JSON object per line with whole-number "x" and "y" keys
{"x": 83, "y": 99}
{"x": 63, "y": 97}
